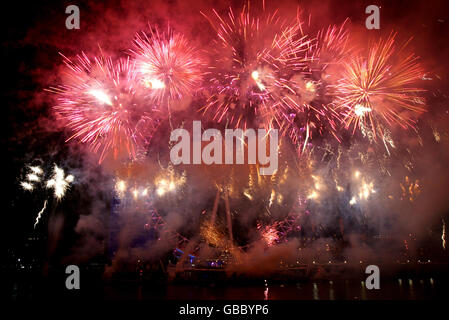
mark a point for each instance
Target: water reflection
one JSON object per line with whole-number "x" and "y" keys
{"x": 331, "y": 291}
{"x": 363, "y": 291}
{"x": 315, "y": 292}
{"x": 337, "y": 289}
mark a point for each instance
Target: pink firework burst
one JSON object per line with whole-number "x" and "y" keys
{"x": 168, "y": 66}
{"x": 313, "y": 90}
{"x": 254, "y": 60}
{"x": 102, "y": 104}
{"x": 269, "y": 234}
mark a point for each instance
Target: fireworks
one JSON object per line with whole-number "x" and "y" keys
{"x": 269, "y": 234}
{"x": 250, "y": 75}
{"x": 325, "y": 56}
{"x": 265, "y": 186}
{"x": 27, "y": 186}
{"x": 364, "y": 188}
{"x": 212, "y": 236}
{"x": 165, "y": 186}
{"x": 59, "y": 182}
{"x": 34, "y": 176}
{"x": 276, "y": 232}
{"x": 166, "y": 181}
{"x": 314, "y": 112}
{"x": 264, "y": 72}
{"x": 103, "y": 105}
{"x": 167, "y": 65}
{"x": 318, "y": 186}
{"x": 378, "y": 90}
{"x": 330, "y": 49}
{"x": 120, "y": 187}
{"x": 410, "y": 189}
{"x": 169, "y": 181}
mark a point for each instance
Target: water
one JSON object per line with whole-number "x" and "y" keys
{"x": 94, "y": 288}
{"x": 392, "y": 289}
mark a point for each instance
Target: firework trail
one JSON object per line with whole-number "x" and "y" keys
{"x": 59, "y": 182}
{"x": 104, "y": 106}
{"x": 377, "y": 90}
{"x": 39, "y": 215}
{"x": 252, "y": 66}
{"x": 34, "y": 176}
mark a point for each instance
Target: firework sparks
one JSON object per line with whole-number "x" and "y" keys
{"x": 59, "y": 182}
{"x": 254, "y": 60}
{"x": 313, "y": 195}
{"x": 269, "y": 234}
{"x": 104, "y": 106}
{"x": 314, "y": 88}
{"x": 377, "y": 89}
{"x": 32, "y": 177}
{"x": 167, "y": 65}
{"x": 365, "y": 189}
{"x": 317, "y": 186}
{"x": 169, "y": 181}
{"x": 211, "y": 235}
{"x": 120, "y": 186}
{"x": 330, "y": 48}
{"x": 360, "y": 110}
{"x": 164, "y": 186}
{"x": 36, "y": 170}
{"x": 27, "y": 186}
{"x": 272, "y": 197}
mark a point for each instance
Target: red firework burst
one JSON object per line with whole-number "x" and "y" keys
{"x": 381, "y": 89}
{"x": 104, "y": 107}
{"x": 168, "y": 66}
